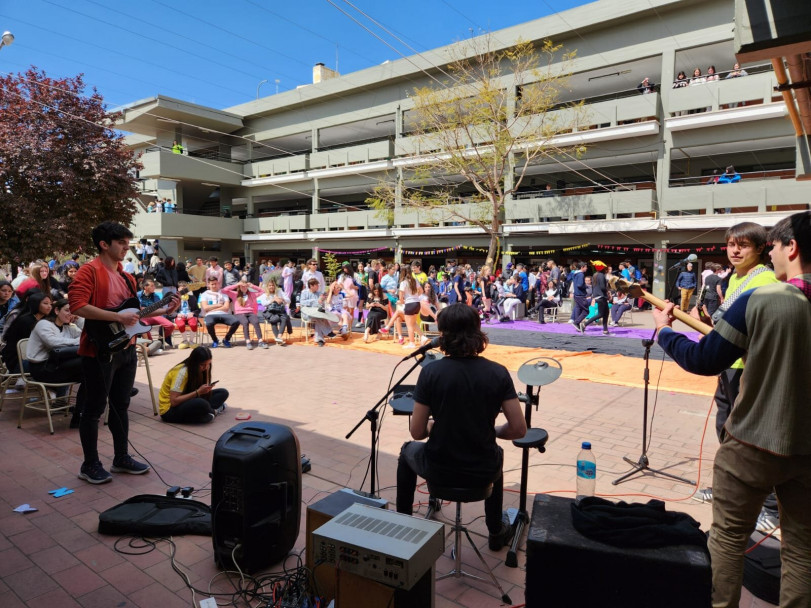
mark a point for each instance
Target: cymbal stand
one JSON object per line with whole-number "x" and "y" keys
{"x": 372, "y": 416}
{"x": 534, "y": 438}
{"x": 642, "y": 465}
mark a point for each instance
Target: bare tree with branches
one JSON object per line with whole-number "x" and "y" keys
{"x": 493, "y": 117}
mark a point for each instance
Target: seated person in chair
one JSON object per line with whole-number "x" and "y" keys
{"x": 464, "y": 394}
{"x": 215, "y": 308}
{"x": 313, "y": 298}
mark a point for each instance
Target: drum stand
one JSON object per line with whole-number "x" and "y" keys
{"x": 373, "y": 415}
{"x": 534, "y": 373}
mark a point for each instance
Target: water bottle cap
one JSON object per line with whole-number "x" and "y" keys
{"x": 586, "y": 445}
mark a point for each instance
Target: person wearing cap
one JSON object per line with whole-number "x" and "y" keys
{"x": 599, "y": 296}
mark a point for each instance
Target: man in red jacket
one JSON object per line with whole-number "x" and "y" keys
{"x": 99, "y": 287}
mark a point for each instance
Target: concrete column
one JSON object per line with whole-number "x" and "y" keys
{"x": 314, "y": 142}
{"x": 315, "y": 197}
{"x": 665, "y": 138}
{"x": 659, "y": 286}
{"x": 250, "y": 207}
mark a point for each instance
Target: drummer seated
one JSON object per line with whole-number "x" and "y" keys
{"x": 313, "y": 298}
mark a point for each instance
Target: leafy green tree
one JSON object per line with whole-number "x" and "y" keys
{"x": 63, "y": 169}
{"x": 485, "y": 125}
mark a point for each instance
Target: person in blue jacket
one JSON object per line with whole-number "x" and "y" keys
{"x": 686, "y": 282}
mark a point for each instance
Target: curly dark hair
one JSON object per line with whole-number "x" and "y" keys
{"x": 460, "y": 331}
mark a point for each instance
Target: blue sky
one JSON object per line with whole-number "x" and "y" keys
{"x": 216, "y": 52}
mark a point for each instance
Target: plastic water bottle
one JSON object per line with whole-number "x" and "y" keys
{"x": 586, "y": 471}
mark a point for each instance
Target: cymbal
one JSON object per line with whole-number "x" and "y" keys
{"x": 540, "y": 371}
{"x": 316, "y": 313}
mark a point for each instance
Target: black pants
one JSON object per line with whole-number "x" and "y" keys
{"x": 602, "y": 313}
{"x": 196, "y": 410}
{"x": 219, "y": 317}
{"x": 412, "y": 463}
{"x": 107, "y": 378}
{"x": 279, "y": 322}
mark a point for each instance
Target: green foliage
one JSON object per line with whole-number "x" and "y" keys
{"x": 487, "y": 123}
{"x": 332, "y": 267}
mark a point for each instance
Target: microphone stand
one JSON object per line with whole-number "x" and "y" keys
{"x": 372, "y": 416}
{"x": 642, "y": 465}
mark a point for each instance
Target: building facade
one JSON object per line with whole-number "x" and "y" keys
{"x": 288, "y": 175}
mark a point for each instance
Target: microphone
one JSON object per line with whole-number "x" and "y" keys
{"x": 423, "y": 349}
{"x": 689, "y": 259}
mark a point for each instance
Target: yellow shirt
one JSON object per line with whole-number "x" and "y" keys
{"x": 175, "y": 380}
{"x": 764, "y": 278}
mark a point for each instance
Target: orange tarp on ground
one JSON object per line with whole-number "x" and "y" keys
{"x": 594, "y": 367}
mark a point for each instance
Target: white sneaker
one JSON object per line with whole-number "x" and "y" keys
{"x": 249, "y": 346}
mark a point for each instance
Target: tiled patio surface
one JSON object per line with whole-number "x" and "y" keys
{"x": 55, "y": 557}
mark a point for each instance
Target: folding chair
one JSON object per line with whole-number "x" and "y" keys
{"x": 42, "y": 404}
{"x": 7, "y": 382}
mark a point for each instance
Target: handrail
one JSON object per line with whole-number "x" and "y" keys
{"x": 704, "y": 180}
{"x": 571, "y": 189}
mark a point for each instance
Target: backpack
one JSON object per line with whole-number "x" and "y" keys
{"x": 154, "y": 515}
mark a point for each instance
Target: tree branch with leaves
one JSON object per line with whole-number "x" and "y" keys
{"x": 63, "y": 169}
{"x": 494, "y": 116}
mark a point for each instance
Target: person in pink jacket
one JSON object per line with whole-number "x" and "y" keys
{"x": 246, "y": 309}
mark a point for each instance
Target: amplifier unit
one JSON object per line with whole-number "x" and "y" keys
{"x": 384, "y": 546}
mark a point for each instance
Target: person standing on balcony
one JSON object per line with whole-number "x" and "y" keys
{"x": 646, "y": 86}
{"x": 730, "y": 176}
{"x": 736, "y": 72}
{"x": 681, "y": 81}
{"x": 686, "y": 282}
{"x": 176, "y": 148}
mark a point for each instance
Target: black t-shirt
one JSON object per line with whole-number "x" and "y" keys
{"x": 711, "y": 283}
{"x": 464, "y": 396}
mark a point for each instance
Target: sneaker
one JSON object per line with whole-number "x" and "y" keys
{"x": 126, "y": 464}
{"x": 94, "y": 473}
{"x": 496, "y": 542}
{"x": 581, "y": 327}
{"x": 605, "y": 332}
{"x": 331, "y": 334}
{"x": 133, "y": 391}
{"x": 320, "y": 343}
{"x": 264, "y": 345}
{"x": 384, "y": 330}
{"x": 570, "y": 321}
{"x": 410, "y": 345}
{"x": 766, "y": 522}
{"x": 168, "y": 345}
{"x": 211, "y": 418}
{"x": 423, "y": 341}
{"x": 249, "y": 346}
{"x": 343, "y": 330}
{"x": 183, "y": 345}
{"x": 359, "y": 325}
{"x": 279, "y": 340}
{"x": 704, "y": 495}
{"x": 215, "y": 344}
{"x": 226, "y": 343}
{"x": 221, "y": 409}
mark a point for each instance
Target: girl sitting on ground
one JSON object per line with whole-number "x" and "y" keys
{"x": 187, "y": 394}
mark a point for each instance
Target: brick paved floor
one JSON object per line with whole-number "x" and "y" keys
{"x": 55, "y": 557}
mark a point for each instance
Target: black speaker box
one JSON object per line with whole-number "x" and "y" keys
{"x": 255, "y": 495}
{"x": 564, "y": 568}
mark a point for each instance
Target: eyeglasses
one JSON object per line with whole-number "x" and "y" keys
{"x": 311, "y": 264}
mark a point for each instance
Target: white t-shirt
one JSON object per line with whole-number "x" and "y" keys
{"x": 212, "y": 298}
{"x": 407, "y": 295}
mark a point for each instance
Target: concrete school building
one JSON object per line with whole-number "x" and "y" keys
{"x": 288, "y": 175}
